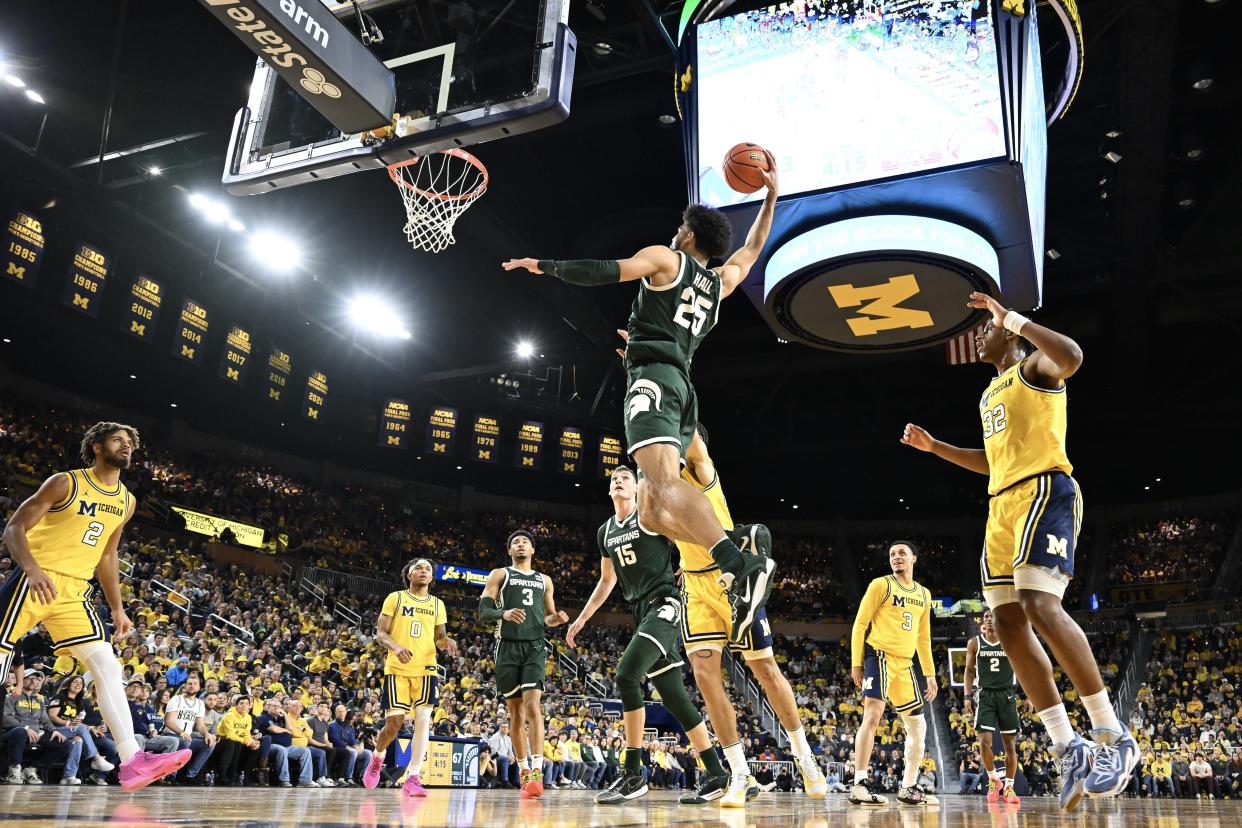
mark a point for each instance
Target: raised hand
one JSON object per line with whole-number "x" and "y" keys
{"x": 981, "y": 301}
{"x": 917, "y": 437}
{"x": 529, "y": 264}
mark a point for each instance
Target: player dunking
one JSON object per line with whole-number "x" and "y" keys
{"x": 705, "y": 631}
{"x": 642, "y": 561}
{"x": 60, "y": 537}
{"x": 412, "y": 625}
{"x": 519, "y": 602}
{"x": 1028, "y": 552}
{"x": 893, "y": 623}
{"x": 989, "y": 675}
{"x": 677, "y": 305}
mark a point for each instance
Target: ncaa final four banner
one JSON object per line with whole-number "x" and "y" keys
{"x": 529, "y": 446}
{"x": 395, "y": 424}
{"x": 609, "y": 454}
{"x": 236, "y": 356}
{"x": 441, "y": 431}
{"x": 316, "y": 395}
{"x": 23, "y": 248}
{"x": 145, "y": 298}
{"x": 279, "y": 367}
{"x": 191, "y": 338}
{"x": 87, "y": 275}
{"x": 571, "y": 451}
{"x": 486, "y": 438}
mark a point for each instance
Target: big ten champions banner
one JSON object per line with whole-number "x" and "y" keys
{"x": 191, "y": 338}
{"x": 23, "y": 247}
{"x": 143, "y": 311}
{"x": 236, "y": 357}
{"x": 441, "y": 431}
{"x": 529, "y": 446}
{"x": 316, "y": 395}
{"x": 570, "y": 451}
{"x": 395, "y": 424}
{"x": 609, "y": 454}
{"x": 87, "y": 274}
{"x": 485, "y": 437}
{"x": 279, "y": 369}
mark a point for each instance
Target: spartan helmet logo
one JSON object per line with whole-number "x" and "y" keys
{"x": 643, "y": 394}
{"x": 314, "y": 82}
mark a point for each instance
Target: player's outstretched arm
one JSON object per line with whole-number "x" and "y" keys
{"x": 976, "y": 460}
{"x": 737, "y": 267}
{"x": 656, "y": 264}
{"x": 551, "y": 616}
{"x": 54, "y": 490}
{"x": 1058, "y": 357}
{"x": 603, "y": 588}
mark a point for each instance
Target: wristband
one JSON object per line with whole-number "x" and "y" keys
{"x": 1014, "y": 322}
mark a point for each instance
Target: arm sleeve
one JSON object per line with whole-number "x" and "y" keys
{"x": 925, "y": 650}
{"x": 586, "y": 272}
{"x": 866, "y": 611}
{"x": 489, "y": 613}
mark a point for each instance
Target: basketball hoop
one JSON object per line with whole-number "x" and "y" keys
{"x": 436, "y": 189}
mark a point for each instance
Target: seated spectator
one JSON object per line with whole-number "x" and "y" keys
{"x": 238, "y": 747}
{"x": 67, "y": 711}
{"x": 30, "y": 735}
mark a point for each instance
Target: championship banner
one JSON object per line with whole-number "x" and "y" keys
{"x": 279, "y": 367}
{"x": 571, "y": 451}
{"x": 236, "y": 356}
{"x": 23, "y": 248}
{"x": 395, "y": 424}
{"x": 87, "y": 275}
{"x": 190, "y": 341}
{"x": 145, "y": 298}
{"x": 529, "y": 446}
{"x": 316, "y": 395}
{"x": 461, "y": 575}
{"x": 210, "y": 525}
{"x": 609, "y": 454}
{"x": 486, "y": 437}
{"x": 441, "y": 431}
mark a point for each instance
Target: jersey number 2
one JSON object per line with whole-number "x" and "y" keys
{"x": 692, "y": 303}
{"x": 995, "y": 668}
{"x": 93, "y": 531}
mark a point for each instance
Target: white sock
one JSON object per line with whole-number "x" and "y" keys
{"x": 735, "y": 755}
{"x": 1103, "y": 717}
{"x": 1008, "y": 782}
{"x": 860, "y": 777}
{"x": 800, "y": 748}
{"x": 916, "y": 740}
{"x": 1056, "y": 722}
{"x": 418, "y": 745}
{"x": 113, "y": 706}
{"x": 998, "y": 775}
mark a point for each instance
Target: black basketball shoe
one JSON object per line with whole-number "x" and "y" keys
{"x": 628, "y": 786}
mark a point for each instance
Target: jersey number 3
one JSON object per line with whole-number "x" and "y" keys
{"x": 692, "y": 303}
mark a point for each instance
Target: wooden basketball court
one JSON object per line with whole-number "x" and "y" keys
{"x": 45, "y": 806}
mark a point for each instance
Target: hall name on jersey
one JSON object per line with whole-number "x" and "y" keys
{"x": 703, "y": 283}
{"x": 907, "y": 601}
{"x": 992, "y": 392}
{"x": 617, "y": 540}
{"x": 85, "y": 508}
{"x": 525, "y": 582}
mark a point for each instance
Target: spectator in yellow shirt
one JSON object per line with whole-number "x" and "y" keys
{"x": 238, "y": 749}
{"x": 300, "y": 732}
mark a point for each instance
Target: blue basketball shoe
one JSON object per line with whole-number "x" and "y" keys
{"x": 1074, "y": 760}
{"x": 1112, "y": 761}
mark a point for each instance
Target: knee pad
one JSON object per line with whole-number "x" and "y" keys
{"x": 916, "y": 732}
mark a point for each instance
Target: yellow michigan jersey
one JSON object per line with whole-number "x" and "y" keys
{"x": 1023, "y": 429}
{"x": 895, "y": 620}
{"x": 414, "y": 622}
{"x": 695, "y": 558}
{"x": 71, "y": 537}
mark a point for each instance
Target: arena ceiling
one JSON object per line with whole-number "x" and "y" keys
{"x": 1147, "y": 274}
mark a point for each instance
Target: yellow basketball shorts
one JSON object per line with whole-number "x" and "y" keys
{"x": 892, "y": 679}
{"x": 706, "y": 619}
{"x": 1030, "y": 538}
{"x": 70, "y": 619}
{"x": 404, "y": 694}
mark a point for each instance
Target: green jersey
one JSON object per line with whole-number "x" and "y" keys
{"x": 667, "y": 324}
{"x": 643, "y": 561}
{"x": 522, "y": 590}
{"x": 992, "y": 668}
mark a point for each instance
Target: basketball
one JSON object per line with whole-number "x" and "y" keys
{"x": 744, "y": 165}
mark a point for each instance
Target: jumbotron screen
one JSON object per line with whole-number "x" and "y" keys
{"x": 846, "y": 91}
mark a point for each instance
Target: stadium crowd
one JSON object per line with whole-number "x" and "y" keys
{"x": 1184, "y": 548}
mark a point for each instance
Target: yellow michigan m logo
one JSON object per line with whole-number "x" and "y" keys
{"x": 883, "y": 313}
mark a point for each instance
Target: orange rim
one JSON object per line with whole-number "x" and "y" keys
{"x": 394, "y": 172}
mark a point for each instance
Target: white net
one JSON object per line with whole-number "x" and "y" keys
{"x": 436, "y": 189}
